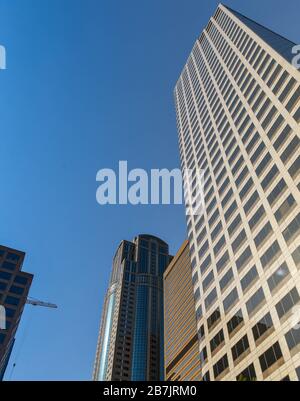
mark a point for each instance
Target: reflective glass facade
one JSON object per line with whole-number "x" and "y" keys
{"x": 130, "y": 344}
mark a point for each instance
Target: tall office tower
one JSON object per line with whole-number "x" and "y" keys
{"x": 14, "y": 288}
{"x": 238, "y": 114}
{"x": 130, "y": 344}
{"x": 182, "y": 360}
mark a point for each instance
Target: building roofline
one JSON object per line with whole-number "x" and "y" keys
{"x": 176, "y": 257}
{"x": 257, "y": 23}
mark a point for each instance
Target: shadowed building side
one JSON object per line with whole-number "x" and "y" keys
{"x": 14, "y": 288}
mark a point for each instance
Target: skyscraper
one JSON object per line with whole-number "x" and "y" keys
{"x": 14, "y": 288}
{"x": 238, "y": 114}
{"x": 182, "y": 359}
{"x": 130, "y": 344}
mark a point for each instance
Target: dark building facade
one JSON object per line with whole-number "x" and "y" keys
{"x": 14, "y": 288}
{"x": 130, "y": 344}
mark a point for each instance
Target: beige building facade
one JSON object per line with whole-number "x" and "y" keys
{"x": 182, "y": 360}
{"x": 238, "y": 113}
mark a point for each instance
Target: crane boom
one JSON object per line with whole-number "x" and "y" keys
{"x": 36, "y": 302}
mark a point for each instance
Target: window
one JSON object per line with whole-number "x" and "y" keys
{"x": 226, "y": 279}
{"x": 5, "y": 276}
{"x": 235, "y": 321}
{"x": 290, "y": 149}
{"x": 240, "y": 347}
{"x": 12, "y": 300}
{"x": 249, "y": 279}
{"x": 287, "y": 302}
{"x": 220, "y": 366}
{"x": 267, "y": 181}
{"x": 293, "y": 339}
{"x": 217, "y": 341}
{"x": 292, "y": 230}
{"x": 213, "y": 319}
{"x": 277, "y": 191}
{"x": 285, "y": 208}
{"x": 208, "y": 280}
{"x": 243, "y": 259}
{"x": 238, "y": 242}
{"x": 223, "y": 261}
{"x": 296, "y": 257}
{"x": 211, "y": 298}
{"x": 248, "y": 374}
{"x": 199, "y": 313}
{"x": 257, "y": 217}
{"x": 234, "y": 225}
{"x": 203, "y": 356}
{"x": 268, "y": 358}
{"x": 270, "y": 255}
{"x": 278, "y": 276}
{"x": 205, "y": 265}
{"x": 13, "y": 257}
{"x": 255, "y": 300}
{"x": 263, "y": 235}
{"x": 230, "y": 300}
{"x": 197, "y": 294}
{"x": 251, "y": 202}
{"x": 16, "y": 290}
{"x": 8, "y": 265}
{"x": 262, "y": 326}
{"x": 201, "y": 333}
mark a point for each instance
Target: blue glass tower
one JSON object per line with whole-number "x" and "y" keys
{"x": 130, "y": 344}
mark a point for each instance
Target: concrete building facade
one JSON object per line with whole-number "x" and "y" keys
{"x": 238, "y": 113}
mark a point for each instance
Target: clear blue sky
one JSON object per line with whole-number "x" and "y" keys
{"x": 89, "y": 83}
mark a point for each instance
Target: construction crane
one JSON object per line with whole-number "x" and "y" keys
{"x": 36, "y": 302}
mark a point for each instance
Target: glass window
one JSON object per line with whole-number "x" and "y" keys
{"x": 292, "y": 230}
{"x": 8, "y": 265}
{"x": 278, "y": 276}
{"x": 262, "y": 326}
{"x": 208, "y": 280}
{"x": 249, "y": 279}
{"x": 243, "y": 259}
{"x": 235, "y": 321}
{"x": 287, "y": 302}
{"x": 230, "y": 300}
{"x": 226, "y": 279}
{"x": 285, "y": 209}
{"x": 268, "y": 358}
{"x": 270, "y": 255}
{"x": 213, "y": 319}
{"x": 217, "y": 340}
{"x": 248, "y": 374}
{"x": 16, "y": 290}
{"x": 12, "y": 300}
{"x": 240, "y": 347}
{"x": 211, "y": 298}
{"x": 220, "y": 366}
{"x": 296, "y": 257}
{"x": 5, "y": 275}
{"x": 255, "y": 300}
{"x": 263, "y": 235}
